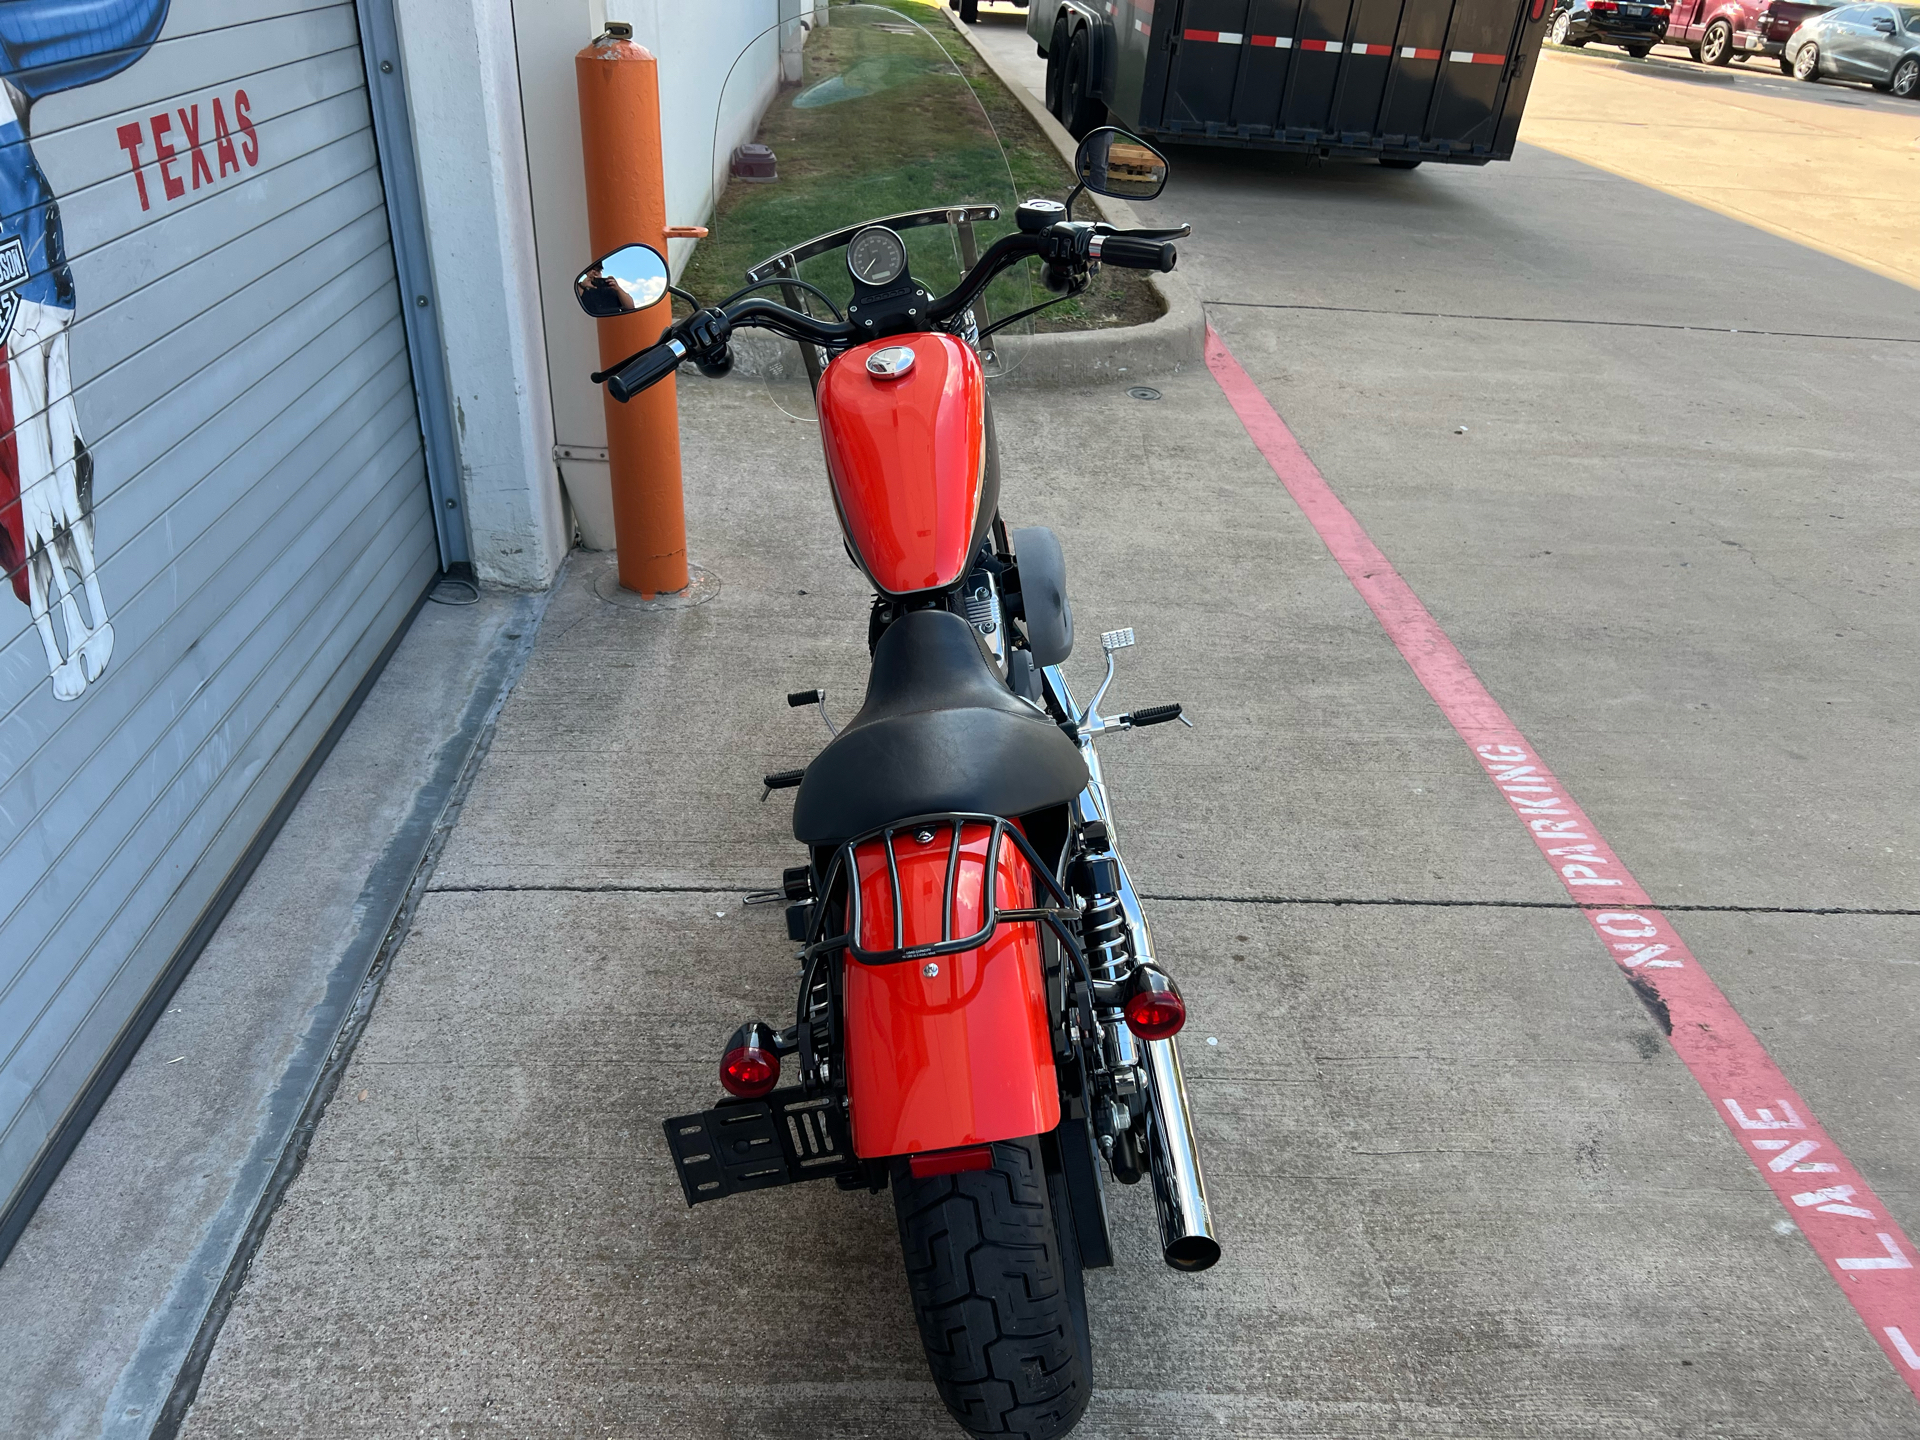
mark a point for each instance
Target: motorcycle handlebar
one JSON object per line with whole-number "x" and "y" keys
{"x": 1133, "y": 254}
{"x": 655, "y": 363}
{"x": 649, "y": 367}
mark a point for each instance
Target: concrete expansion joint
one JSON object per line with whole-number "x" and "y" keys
{"x": 1577, "y": 905}
{"x": 1563, "y": 320}
{"x": 613, "y": 887}
{"x": 620, "y": 887}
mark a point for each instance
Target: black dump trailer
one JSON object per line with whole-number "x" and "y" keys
{"x": 1400, "y": 81}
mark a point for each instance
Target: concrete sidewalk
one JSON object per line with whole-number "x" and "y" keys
{"x": 113, "y": 1281}
{"x": 1466, "y": 1189}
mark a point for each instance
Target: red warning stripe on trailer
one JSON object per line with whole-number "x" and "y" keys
{"x": 1330, "y": 47}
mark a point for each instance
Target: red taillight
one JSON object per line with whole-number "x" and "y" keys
{"x": 749, "y": 1072}
{"x": 951, "y": 1162}
{"x": 751, "y": 1066}
{"x": 1154, "y": 1010}
{"x": 1602, "y": 7}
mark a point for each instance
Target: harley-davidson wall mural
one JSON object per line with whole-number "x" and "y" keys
{"x": 47, "y": 539}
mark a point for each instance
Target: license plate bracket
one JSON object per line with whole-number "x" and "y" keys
{"x": 758, "y": 1144}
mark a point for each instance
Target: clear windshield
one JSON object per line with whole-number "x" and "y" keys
{"x": 842, "y": 117}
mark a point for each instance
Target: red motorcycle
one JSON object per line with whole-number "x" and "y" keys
{"x": 982, "y": 1024}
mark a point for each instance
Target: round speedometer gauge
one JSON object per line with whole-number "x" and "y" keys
{"x": 877, "y": 256}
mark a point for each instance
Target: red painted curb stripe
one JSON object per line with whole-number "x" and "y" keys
{"x": 1863, "y": 1249}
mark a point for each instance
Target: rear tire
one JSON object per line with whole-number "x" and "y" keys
{"x": 970, "y": 12}
{"x": 995, "y": 1278}
{"x": 1638, "y": 52}
{"x": 1558, "y": 30}
{"x": 1395, "y": 162}
{"x": 1716, "y": 46}
{"x": 1806, "y": 64}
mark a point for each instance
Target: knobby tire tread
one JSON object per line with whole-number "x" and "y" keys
{"x": 995, "y": 1294}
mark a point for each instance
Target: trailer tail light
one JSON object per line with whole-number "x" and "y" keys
{"x": 950, "y": 1162}
{"x": 1154, "y": 1010}
{"x": 751, "y": 1067}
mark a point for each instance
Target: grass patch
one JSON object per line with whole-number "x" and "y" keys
{"x": 884, "y": 120}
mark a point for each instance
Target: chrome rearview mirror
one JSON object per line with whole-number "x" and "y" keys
{"x": 632, "y": 278}
{"x": 1112, "y": 162}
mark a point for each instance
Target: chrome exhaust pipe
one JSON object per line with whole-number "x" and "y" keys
{"x": 1187, "y": 1240}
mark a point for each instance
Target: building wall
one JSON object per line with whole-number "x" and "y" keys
{"x": 213, "y": 498}
{"x": 700, "y": 50}
{"x": 464, "y": 99}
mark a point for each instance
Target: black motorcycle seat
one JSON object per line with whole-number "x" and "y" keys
{"x": 939, "y": 732}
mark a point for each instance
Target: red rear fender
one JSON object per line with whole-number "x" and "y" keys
{"x": 953, "y": 1050}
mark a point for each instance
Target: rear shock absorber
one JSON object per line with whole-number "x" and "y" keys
{"x": 1108, "y": 944}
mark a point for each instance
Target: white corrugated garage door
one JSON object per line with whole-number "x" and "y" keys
{"x": 216, "y": 503}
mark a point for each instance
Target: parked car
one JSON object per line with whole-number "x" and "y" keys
{"x": 1876, "y": 43}
{"x": 1716, "y": 31}
{"x": 1635, "y": 28}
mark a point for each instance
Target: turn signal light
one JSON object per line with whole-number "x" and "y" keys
{"x": 1154, "y": 1010}
{"x": 751, "y": 1067}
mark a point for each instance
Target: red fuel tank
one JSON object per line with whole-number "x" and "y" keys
{"x": 906, "y": 452}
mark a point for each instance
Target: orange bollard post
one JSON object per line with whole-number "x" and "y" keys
{"x": 619, "y": 84}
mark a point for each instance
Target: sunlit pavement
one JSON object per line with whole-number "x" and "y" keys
{"x": 1818, "y": 165}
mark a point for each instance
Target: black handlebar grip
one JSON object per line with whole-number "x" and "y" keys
{"x": 648, "y": 368}
{"x": 784, "y": 779}
{"x": 1133, "y": 254}
{"x": 1154, "y": 715}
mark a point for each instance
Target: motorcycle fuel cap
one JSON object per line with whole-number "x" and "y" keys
{"x": 891, "y": 362}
